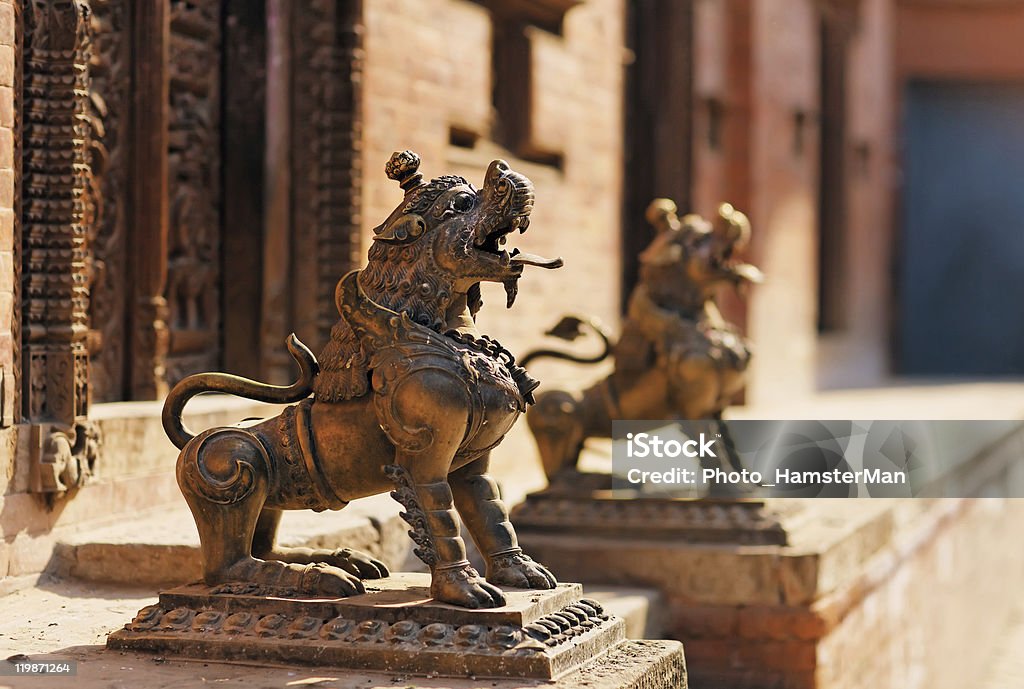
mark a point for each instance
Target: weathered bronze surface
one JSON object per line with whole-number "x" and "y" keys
{"x": 395, "y": 626}
{"x": 677, "y": 357}
{"x": 407, "y": 396}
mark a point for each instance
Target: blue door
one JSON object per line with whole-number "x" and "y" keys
{"x": 961, "y": 259}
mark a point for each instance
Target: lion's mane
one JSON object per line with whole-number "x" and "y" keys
{"x": 401, "y": 278}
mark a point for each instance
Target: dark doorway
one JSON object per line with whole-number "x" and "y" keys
{"x": 961, "y": 267}
{"x": 832, "y": 238}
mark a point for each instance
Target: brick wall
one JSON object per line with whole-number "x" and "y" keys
{"x": 429, "y": 69}
{"x": 757, "y": 64}
{"x": 858, "y": 354}
{"x": 7, "y": 314}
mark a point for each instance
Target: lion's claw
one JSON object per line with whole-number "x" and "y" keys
{"x": 465, "y": 588}
{"x": 317, "y": 579}
{"x": 356, "y": 563}
{"x": 520, "y": 571}
{"x": 334, "y": 582}
{"x": 353, "y": 562}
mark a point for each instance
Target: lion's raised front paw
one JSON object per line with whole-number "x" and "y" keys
{"x": 519, "y": 570}
{"x": 464, "y": 587}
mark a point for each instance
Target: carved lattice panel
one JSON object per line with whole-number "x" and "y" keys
{"x": 194, "y": 227}
{"x": 58, "y": 209}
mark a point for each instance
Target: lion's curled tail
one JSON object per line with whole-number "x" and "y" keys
{"x": 569, "y": 329}
{"x": 241, "y": 387}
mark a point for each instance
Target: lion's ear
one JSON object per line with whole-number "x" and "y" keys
{"x": 404, "y": 228}
{"x": 662, "y": 215}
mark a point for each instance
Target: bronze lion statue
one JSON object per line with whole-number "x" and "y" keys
{"x": 407, "y": 397}
{"x": 676, "y": 358}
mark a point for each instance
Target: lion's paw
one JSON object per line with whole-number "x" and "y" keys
{"x": 466, "y": 588}
{"x": 519, "y": 570}
{"x": 315, "y": 579}
{"x": 354, "y": 562}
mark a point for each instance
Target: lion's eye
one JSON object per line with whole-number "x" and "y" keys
{"x": 463, "y": 202}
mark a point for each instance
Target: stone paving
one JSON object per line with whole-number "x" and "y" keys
{"x": 68, "y": 620}
{"x": 1007, "y": 668}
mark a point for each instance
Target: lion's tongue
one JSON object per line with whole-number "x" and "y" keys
{"x": 535, "y": 260}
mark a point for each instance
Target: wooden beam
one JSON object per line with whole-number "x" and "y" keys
{"x": 149, "y": 339}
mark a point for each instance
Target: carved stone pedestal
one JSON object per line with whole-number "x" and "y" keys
{"x": 856, "y": 590}
{"x": 395, "y": 627}
{"x": 581, "y": 504}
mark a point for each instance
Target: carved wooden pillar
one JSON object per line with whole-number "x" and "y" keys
{"x": 275, "y": 298}
{"x": 148, "y": 324}
{"x": 59, "y": 210}
{"x": 245, "y": 156}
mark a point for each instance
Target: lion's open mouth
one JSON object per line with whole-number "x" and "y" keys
{"x": 723, "y": 259}
{"x": 725, "y": 262}
{"x": 494, "y": 244}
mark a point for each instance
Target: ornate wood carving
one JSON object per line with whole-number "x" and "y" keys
{"x": 59, "y": 208}
{"x": 110, "y": 72}
{"x": 193, "y": 271}
{"x": 245, "y": 158}
{"x": 326, "y": 135}
{"x": 11, "y": 410}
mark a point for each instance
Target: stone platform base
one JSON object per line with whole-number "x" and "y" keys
{"x": 395, "y": 627}
{"x": 580, "y": 503}
{"x": 866, "y": 593}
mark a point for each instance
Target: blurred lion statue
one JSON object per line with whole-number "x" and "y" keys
{"x": 677, "y": 357}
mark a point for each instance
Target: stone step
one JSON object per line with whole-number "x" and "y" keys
{"x": 162, "y": 548}
{"x": 643, "y": 610}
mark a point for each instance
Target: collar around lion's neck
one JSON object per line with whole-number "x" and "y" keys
{"x": 426, "y": 298}
{"x": 377, "y": 327}
{"x": 439, "y": 307}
